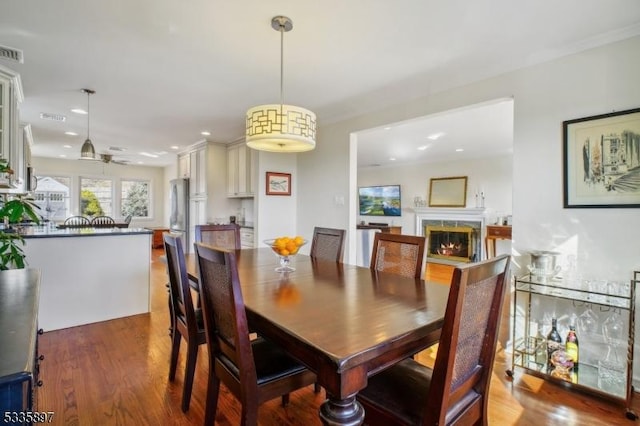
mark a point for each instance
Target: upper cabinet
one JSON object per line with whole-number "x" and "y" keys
{"x": 240, "y": 176}
{"x": 198, "y": 172}
{"x": 193, "y": 166}
{"x": 12, "y": 134}
{"x": 184, "y": 171}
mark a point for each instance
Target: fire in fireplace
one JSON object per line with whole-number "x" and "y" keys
{"x": 450, "y": 242}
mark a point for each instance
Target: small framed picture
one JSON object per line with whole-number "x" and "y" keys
{"x": 278, "y": 183}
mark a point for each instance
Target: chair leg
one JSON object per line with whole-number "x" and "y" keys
{"x": 175, "y": 349}
{"x": 316, "y": 387}
{"x": 213, "y": 388}
{"x": 172, "y": 318}
{"x": 285, "y": 400}
{"x": 189, "y": 371}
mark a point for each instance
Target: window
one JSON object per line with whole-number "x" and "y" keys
{"x": 96, "y": 197}
{"x": 134, "y": 199}
{"x": 52, "y": 196}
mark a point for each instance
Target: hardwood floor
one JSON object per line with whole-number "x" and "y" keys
{"x": 115, "y": 373}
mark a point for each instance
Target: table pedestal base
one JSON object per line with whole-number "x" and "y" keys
{"x": 341, "y": 412}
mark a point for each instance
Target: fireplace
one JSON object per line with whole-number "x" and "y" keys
{"x": 453, "y": 235}
{"x": 450, "y": 242}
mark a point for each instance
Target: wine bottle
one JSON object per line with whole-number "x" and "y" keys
{"x": 572, "y": 347}
{"x": 554, "y": 342}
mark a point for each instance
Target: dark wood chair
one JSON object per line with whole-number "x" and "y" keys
{"x": 77, "y": 222}
{"x": 254, "y": 371}
{"x": 186, "y": 321}
{"x": 221, "y": 236}
{"x": 456, "y": 390}
{"x": 103, "y": 222}
{"x": 127, "y": 220}
{"x": 398, "y": 254}
{"x": 327, "y": 243}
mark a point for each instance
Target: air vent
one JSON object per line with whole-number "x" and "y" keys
{"x": 53, "y": 117}
{"x": 11, "y": 54}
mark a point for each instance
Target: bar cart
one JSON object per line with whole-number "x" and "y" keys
{"x": 604, "y": 313}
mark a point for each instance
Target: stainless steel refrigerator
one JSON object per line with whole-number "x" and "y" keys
{"x": 179, "y": 213}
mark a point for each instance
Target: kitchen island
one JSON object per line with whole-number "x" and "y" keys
{"x": 89, "y": 275}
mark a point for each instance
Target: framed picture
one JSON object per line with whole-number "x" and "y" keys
{"x": 448, "y": 192}
{"x": 278, "y": 183}
{"x": 602, "y": 160}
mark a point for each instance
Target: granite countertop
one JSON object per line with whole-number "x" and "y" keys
{"x": 43, "y": 232}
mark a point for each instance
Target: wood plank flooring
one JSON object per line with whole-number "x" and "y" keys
{"x": 115, "y": 373}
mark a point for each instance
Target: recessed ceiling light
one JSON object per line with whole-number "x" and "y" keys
{"x": 387, "y": 128}
{"x": 423, "y": 147}
{"x": 175, "y": 147}
{"x": 459, "y": 149}
{"x": 62, "y": 155}
{"x": 67, "y": 146}
{"x": 435, "y": 136}
{"x": 392, "y": 158}
{"x": 140, "y": 162}
{"x": 71, "y": 133}
{"x": 79, "y": 111}
{"x": 205, "y": 133}
{"x": 146, "y": 154}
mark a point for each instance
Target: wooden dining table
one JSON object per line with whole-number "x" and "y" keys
{"x": 344, "y": 322}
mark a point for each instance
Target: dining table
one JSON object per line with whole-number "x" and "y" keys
{"x": 343, "y": 322}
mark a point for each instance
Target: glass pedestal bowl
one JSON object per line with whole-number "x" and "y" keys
{"x": 285, "y": 249}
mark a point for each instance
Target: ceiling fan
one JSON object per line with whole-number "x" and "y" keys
{"x": 108, "y": 158}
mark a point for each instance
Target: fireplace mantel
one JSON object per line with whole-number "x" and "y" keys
{"x": 476, "y": 215}
{"x": 449, "y": 213}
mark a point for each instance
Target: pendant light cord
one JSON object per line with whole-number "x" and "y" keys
{"x": 88, "y": 115}
{"x": 281, "y": 69}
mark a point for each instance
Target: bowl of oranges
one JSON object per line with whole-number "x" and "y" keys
{"x": 285, "y": 248}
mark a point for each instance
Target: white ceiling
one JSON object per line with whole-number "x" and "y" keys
{"x": 166, "y": 70}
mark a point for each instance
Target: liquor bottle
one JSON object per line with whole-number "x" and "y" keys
{"x": 554, "y": 342}
{"x": 572, "y": 347}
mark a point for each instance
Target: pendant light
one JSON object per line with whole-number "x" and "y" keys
{"x": 88, "y": 152}
{"x": 280, "y": 127}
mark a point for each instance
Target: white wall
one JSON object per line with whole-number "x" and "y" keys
{"x": 75, "y": 168}
{"x": 277, "y": 214}
{"x": 491, "y": 175}
{"x": 596, "y": 81}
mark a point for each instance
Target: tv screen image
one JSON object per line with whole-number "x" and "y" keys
{"x": 383, "y": 200}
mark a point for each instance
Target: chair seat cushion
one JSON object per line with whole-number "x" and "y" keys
{"x": 272, "y": 363}
{"x": 401, "y": 390}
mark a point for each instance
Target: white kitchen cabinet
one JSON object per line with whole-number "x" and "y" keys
{"x": 198, "y": 175}
{"x": 197, "y": 216}
{"x": 240, "y": 179}
{"x": 184, "y": 171}
{"x": 10, "y": 131}
{"x": 247, "y": 237}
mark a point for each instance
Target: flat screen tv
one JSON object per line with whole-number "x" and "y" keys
{"x": 382, "y": 200}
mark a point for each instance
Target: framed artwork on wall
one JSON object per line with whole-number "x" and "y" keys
{"x": 602, "y": 160}
{"x": 278, "y": 183}
{"x": 448, "y": 192}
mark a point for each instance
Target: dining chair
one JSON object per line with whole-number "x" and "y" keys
{"x": 255, "y": 371}
{"x": 327, "y": 243}
{"x": 398, "y": 254}
{"x": 127, "y": 220}
{"x": 77, "y": 222}
{"x": 103, "y": 221}
{"x": 221, "y": 236}
{"x": 187, "y": 321}
{"x": 456, "y": 390}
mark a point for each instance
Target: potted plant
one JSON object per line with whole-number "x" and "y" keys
{"x": 13, "y": 211}
{"x": 5, "y": 173}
